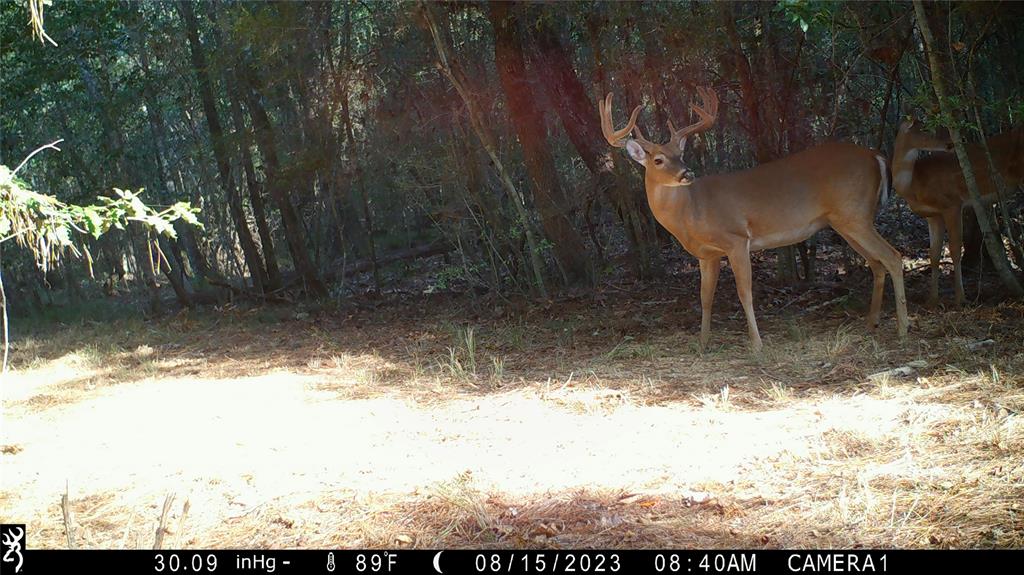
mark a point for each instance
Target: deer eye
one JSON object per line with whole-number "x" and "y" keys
{"x": 658, "y": 161}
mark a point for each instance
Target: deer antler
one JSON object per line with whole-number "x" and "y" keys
{"x": 644, "y": 142}
{"x": 708, "y": 112}
{"x": 615, "y": 137}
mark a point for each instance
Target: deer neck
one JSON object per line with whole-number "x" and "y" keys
{"x": 671, "y": 206}
{"x": 667, "y": 200}
{"x": 903, "y": 161}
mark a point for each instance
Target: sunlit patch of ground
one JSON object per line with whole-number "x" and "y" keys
{"x": 582, "y": 425}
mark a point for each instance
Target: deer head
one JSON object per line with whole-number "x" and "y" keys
{"x": 911, "y": 139}
{"x": 663, "y": 163}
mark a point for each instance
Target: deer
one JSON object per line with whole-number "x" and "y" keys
{"x": 934, "y": 187}
{"x": 770, "y": 205}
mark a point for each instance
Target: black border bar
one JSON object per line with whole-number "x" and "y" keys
{"x": 493, "y": 561}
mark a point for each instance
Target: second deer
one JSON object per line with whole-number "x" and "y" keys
{"x": 775, "y": 204}
{"x": 934, "y": 187}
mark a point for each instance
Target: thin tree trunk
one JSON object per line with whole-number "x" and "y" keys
{"x": 528, "y": 121}
{"x": 113, "y": 144}
{"x": 345, "y": 214}
{"x": 253, "y": 187}
{"x": 1002, "y": 191}
{"x": 453, "y": 72}
{"x": 748, "y": 88}
{"x": 200, "y": 265}
{"x": 763, "y": 150}
{"x": 265, "y": 140}
{"x": 227, "y": 182}
{"x": 255, "y": 192}
{"x": 159, "y": 133}
{"x": 368, "y": 219}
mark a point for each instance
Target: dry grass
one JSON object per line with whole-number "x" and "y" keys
{"x": 591, "y": 423}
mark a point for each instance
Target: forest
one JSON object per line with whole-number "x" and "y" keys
{"x": 387, "y": 274}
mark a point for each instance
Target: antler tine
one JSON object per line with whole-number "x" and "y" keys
{"x": 644, "y": 142}
{"x": 615, "y": 137}
{"x": 710, "y": 99}
{"x": 707, "y": 111}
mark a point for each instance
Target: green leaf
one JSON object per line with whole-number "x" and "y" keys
{"x": 93, "y": 221}
{"x": 62, "y": 235}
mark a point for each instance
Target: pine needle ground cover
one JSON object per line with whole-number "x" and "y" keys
{"x": 590, "y": 422}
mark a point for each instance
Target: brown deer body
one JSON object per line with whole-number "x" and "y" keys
{"x": 934, "y": 188}
{"x": 775, "y": 204}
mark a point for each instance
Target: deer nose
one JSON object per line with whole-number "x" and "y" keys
{"x": 686, "y": 175}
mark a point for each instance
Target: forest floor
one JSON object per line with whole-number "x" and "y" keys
{"x": 447, "y": 421}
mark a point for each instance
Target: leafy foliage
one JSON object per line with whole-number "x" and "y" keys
{"x": 376, "y": 153}
{"x": 48, "y": 227}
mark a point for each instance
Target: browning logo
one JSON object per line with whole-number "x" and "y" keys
{"x": 12, "y": 541}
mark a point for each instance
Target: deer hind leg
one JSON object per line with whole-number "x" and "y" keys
{"x": 739, "y": 260}
{"x": 878, "y": 289}
{"x": 709, "y": 269}
{"x": 876, "y": 248}
{"x": 936, "y": 229}
{"x": 954, "y": 225}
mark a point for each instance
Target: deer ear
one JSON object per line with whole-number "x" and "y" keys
{"x": 682, "y": 146}
{"x": 636, "y": 152}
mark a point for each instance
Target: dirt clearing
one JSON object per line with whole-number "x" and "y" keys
{"x": 575, "y": 425}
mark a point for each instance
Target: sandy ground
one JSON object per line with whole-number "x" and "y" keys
{"x": 291, "y": 435}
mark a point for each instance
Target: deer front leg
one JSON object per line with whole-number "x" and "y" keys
{"x": 936, "y": 230}
{"x": 739, "y": 259}
{"x": 954, "y": 225}
{"x": 709, "y": 269}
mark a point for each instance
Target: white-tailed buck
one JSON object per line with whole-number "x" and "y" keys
{"x": 771, "y": 205}
{"x": 934, "y": 187}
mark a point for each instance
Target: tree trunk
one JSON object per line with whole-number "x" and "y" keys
{"x": 1002, "y": 190}
{"x": 528, "y": 122}
{"x": 579, "y": 119}
{"x": 265, "y": 140}
{"x": 749, "y": 94}
{"x": 227, "y": 182}
{"x": 368, "y": 219}
{"x": 255, "y": 192}
{"x": 252, "y": 184}
{"x": 159, "y": 133}
{"x": 453, "y": 72}
{"x": 200, "y": 265}
{"x": 113, "y": 144}
{"x": 350, "y": 228}
{"x": 993, "y": 244}
{"x": 755, "y": 126}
